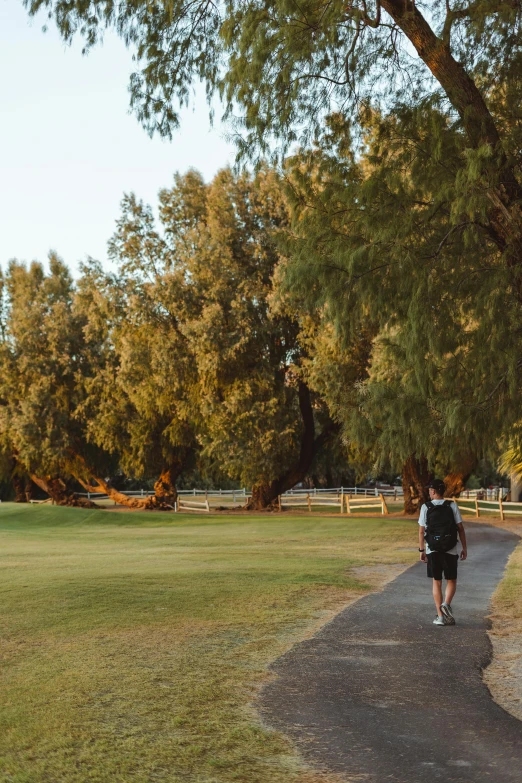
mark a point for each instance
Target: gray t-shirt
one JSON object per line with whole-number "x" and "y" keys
{"x": 422, "y": 521}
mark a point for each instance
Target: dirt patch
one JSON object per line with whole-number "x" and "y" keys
{"x": 504, "y": 675}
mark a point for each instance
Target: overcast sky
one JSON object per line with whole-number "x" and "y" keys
{"x": 69, "y": 149}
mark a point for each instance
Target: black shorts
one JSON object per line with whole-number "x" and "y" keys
{"x": 442, "y": 563}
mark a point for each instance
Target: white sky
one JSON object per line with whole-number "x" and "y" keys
{"x": 69, "y": 149}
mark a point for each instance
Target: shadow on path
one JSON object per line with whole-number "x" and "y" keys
{"x": 381, "y": 694}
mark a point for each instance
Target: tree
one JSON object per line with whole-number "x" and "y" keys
{"x": 138, "y": 400}
{"x": 41, "y": 358}
{"x": 82, "y": 398}
{"x": 453, "y": 108}
{"x": 287, "y": 64}
{"x": 209, "y": 274}
{"x": 370, "y": 243}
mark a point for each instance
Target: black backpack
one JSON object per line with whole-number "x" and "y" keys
{"x": 441, "y": 529}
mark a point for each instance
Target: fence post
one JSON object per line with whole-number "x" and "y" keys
{"x": 342, "y": 500}
{"x": 234, "y": 496}
{"x": 348, "y": 509}
{"x": 501, "y": 508}
{"x": 88, "y": 495}
{"x": 477, "y": 512}
{"x": 309, "y": 502}
{"x": 384, "y": 506}
{"x": 279, "y": 499}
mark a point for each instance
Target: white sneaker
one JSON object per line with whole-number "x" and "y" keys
{"x": 440, "y": 621}
{"x": 448, "y": 614}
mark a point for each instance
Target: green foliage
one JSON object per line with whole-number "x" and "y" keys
{"x": 285, "y": 65}
{"x": 138, "y": 404}
{"x": 186, "y": 359}
{"x": 406, "y": 217}
{"x": 198, "y": 298}
{"x": 388, "y": 236}
{"x": 43, "y": 354}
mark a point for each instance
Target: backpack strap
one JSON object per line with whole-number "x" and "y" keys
{"x": 449, "y": 503}
{"x": 429, "y": 505}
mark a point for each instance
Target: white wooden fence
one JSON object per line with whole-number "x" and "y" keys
{"x": 288, "y": 500}
{"x": 183, "y": 505}
{"x": 332, "y": 497}
{"x": 499, "y": 506}
{"x": 354, "y": 504}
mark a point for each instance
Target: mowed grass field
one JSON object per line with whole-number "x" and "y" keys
{"x": 133, "y": 644}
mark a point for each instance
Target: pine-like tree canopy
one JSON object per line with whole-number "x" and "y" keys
{"x": 45, "y": 360}
{"x": 412, "y": 112}
{"x": 205, "y": 276}
{"x": 284, "y": 63}
{"x": 285, "y": 66}
{"x": 390, "y": 233}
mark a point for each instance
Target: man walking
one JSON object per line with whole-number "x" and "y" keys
{"x": 440, "y": 527}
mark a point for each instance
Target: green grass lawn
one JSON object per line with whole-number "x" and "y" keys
{"x": 133, "y": 645}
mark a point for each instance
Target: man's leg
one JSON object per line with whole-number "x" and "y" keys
{"x": 437, "y": 595}
{"x": 451, "y": 589}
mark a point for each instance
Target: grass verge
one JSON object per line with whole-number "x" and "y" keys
{"x": 504, "y": 675}
{"x": 133, "y": 644}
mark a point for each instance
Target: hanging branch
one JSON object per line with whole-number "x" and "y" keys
{"x": 368, "y": 19}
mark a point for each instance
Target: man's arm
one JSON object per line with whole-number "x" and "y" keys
{"x": 422, "y": 543}
{"x": 462, "y": 536}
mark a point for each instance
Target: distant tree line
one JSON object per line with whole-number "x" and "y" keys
{"x": 186, "y": 357}
{"x": 214, "y": 349}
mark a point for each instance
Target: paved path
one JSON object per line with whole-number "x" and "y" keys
{"x": 381, "y": 694}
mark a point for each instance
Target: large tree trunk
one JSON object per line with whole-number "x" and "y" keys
{"x": 58, "y": 492}
{"x": 455, "y": 483}
{"x": 415, "y": 477}
{"x": 265, "y": 494}
{"x": 506, "y": 196}
{"x": 29, "y": 489}
{"x": 22, "y": 484}
{"x": 456, "y": 478}
{"x": 19, "y": 488}
{"x": 165, "y": 492}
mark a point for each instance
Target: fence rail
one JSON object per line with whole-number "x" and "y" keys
{"x": 183, "y": 505}
{"x": 228, "y": 495}
{"x": 329, "y": 496}
{"x": 503, "y": 507}
{"x": 335, "y": 501}
{"x": 354, "y": 504}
